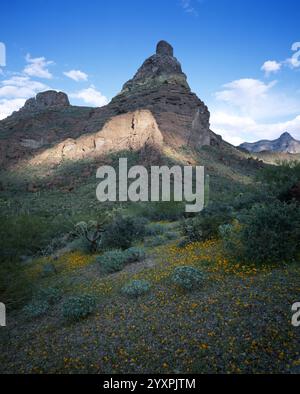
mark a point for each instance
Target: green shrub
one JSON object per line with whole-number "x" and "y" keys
{"x": 155, "y": 241}
{"x": 36, "y": 309}
{"x": 112, "y": 261}
{"x": 80, "y": 244}
{"x": 78, "y": 307}
{"x": 247, "y": 200}
{"x": 27, "y": 234}
{"x": 122, "y": 232}
{"x": 155, "y": 229}
{"x": 206, "y": 224}
{"x": 115, "y": 260}
{"x": 163, "y": 210}
{"x": 49, "y": 294}
{"x": 48, "y": 270}
{"x": 270, "y": 233}
{"x": 136, "y": 288}
{"x": 280, "y": 178}
{"x": 171, "y": 235}
{"x": 188, "y": 278}
{"x": 134, "y": 254}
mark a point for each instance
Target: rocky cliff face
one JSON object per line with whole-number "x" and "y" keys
{"x": 155, "y": 107}
{"x": 285, "y": 143}
{"x": 46, "y": 100}
{"x": 161, "y": 87}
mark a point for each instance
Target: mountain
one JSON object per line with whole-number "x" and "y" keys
{"x": 285, "y": 143}
{"x": 156, "y": 107}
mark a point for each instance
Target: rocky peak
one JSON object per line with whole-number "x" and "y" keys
{"x": 163, "y": 48}
{"x": 286, "y": 137}
{"x": 160, "y": 68}
{"x": 285, "y": 143}
{"x": 47, "y": 99}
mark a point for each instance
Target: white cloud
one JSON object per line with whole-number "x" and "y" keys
{"x": 238, "y": 129}
{"x": 7, "y": 107}
{"x": 20, "y": 87}
{"x": 188, "y": 7}
{"x": 90, "y": 96}
{"x": 76, "y": 75}
{"x": 256, "y": 99}
{"x": 294, "y": 61}
{"x": 37, "y": 67}
{"x": 271, "y": 66}
{"x": 249, "y": 110}
{"x": 15, "y": 91}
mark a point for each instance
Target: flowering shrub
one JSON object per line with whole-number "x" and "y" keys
{"x": 78, "y": 307}
{"x": 187, "y": 277}
{"x": 136, "y": 288}
{"x": 36, "y": 309}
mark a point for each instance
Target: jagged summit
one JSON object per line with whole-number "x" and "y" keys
{"x": 164, "y": 48}
{"x": 160, "y": 68}
{"x": 156, "y": 107}
{"x": 160, "y": 86}
{"x": 47, "y": 99}
{"x": 286, "y": 136}
{"x": 285, "y": 143}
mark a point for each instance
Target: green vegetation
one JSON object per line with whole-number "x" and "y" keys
{"x": 222, "y": 281}
{"x": 122, "y": 232}
{"x": 36, "y": 309}
{"x": 188, "y": 278}
{"x": 136, "y": 288}
{"x": 79, "y": 307}
{"x": 266, "y": 234}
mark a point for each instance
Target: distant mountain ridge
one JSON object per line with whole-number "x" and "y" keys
{"x": 285, "y": 143}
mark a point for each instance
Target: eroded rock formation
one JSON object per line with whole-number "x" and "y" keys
{"x": 155, "y": 107}
{"x": 46, "y": 100}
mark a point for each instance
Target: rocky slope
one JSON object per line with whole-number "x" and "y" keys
{"x": 155, "y": 107}
{"x": 285, "y": 143}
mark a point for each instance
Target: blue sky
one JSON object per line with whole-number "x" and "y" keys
{"x": 237, "y": 55}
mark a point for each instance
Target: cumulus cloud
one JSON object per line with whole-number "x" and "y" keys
{"x": 38, "y": 67}
{"x": 249, "y": 109}
{"x": 15, "y": 91}
{"x": 90, "y": 96}
{"x": 7, "y": 107}
{"x": 271, "y": 66}
{"x": 238, "y": 129}
{"x": 20, "y": 87}
{"x": 294, "y": 61}
{"x": 254, "y": 98}
{"x": 76, "y": 75}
